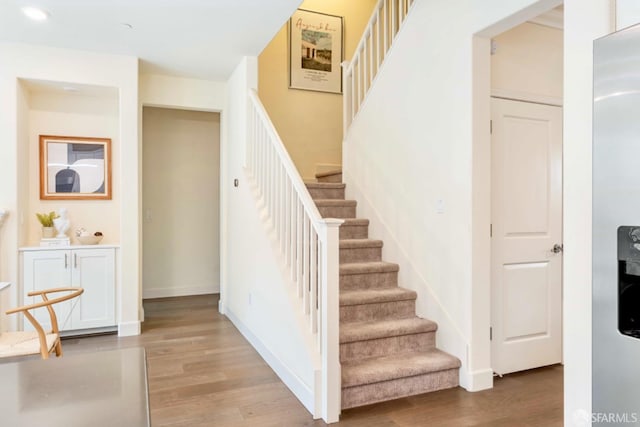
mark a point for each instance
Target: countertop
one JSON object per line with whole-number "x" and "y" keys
{"x": 93, "y": 389}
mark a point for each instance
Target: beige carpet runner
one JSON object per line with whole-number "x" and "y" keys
{"x": 386, "y": 351}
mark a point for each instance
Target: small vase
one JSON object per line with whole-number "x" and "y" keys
{"x": 48, "y": 232}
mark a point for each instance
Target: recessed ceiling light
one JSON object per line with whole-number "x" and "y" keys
{"x": 35, "y": 13}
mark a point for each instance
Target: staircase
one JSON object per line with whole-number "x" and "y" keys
{"x": 386, "y": 351}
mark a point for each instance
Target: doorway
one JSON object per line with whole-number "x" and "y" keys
{"x": 526, "y": 197}
{"x": 181, "y": 174}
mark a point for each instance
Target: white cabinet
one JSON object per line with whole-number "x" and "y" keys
{"x": 90, "y": 268}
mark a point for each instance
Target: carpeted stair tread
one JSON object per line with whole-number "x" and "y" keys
{"x": 360, "y": 243}
{"x": 385, "y": 368}
{"x": 328, "y": 173}
{"x": 326, "y": 185}
{"x": 373, "y": 296}
{"x": 335, "y": 202}
{"x": 360, "y": 331}
{"x": 368, "y": 267}
{"x": 355, "y": 221}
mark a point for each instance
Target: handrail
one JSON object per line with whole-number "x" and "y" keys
{"x": 306, "y": 242}
{"x": 373, "y": 48}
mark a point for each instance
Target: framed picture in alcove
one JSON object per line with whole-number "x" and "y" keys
{"x": 315, "y": 51}
{"x": 75, "y": 168}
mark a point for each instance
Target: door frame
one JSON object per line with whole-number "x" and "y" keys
{"x": 220, "y": 136}
{"x": 479, "y": 354}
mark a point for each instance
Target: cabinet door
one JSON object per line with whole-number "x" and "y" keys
{"x": 94, "y": 270}
{"x": 44, "y": 270}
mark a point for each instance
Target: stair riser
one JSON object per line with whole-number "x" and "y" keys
{"x": 387, "y": 346}
{"x": 330, "y": 178}
{"x": 360, "y": 254}
{"x": 397, "y": 388}
{"x": 354, "y": 231}
{"x": 368, "y": 281}
{"x": 337, "y": 211}
{"x": 327, "y": 193}
{"x": 378, "y": 311}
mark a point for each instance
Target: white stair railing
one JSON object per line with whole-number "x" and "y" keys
{"x": 359, "y": 74}
{"x": 307, "y": 243}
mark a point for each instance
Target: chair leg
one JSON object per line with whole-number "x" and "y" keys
{"x": 58, "y": 348}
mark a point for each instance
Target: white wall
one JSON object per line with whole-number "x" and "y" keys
{"x": 19, "y": 61}
{"x": 627, "y": 13}
{"x": 181, "y": 164}
{"x": 68, "y": 114}
{"x": 584, "y": 22}
{"x": 254, "y": 294}
{"x": 430, "y": 158}
{"x": 182, "y": 93}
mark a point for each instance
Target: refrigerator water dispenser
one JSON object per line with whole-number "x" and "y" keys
{"x": 629, "y": 280}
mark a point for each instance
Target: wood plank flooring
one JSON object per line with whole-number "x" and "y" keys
{"x": 202, "y": 372}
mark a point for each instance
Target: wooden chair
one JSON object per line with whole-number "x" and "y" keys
{"x": 38, "y": 341}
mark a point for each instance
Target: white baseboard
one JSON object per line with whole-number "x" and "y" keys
{"x": 291, "y": 380}
{"x": 479, "y": 380}
{"x": 128, "y": 329}
{"x": 221, "y": 307}
{"x": 179, "y": 292}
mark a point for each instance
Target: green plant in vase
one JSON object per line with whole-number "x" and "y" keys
{"x": 47, "y": 223}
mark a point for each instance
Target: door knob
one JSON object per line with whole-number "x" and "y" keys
{"x": 557, "y": 248}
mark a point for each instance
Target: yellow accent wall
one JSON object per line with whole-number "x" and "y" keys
{"x": 309, "y": 123}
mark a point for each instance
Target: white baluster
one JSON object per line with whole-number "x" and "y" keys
{"x": 385, "y": 27}
{"x": 393, "y": 18}
{"x": 306, "y": 264}
{"x": 378, "y": 47}
{"x": 300, "y": 249}
{"x": 371, "y": 70}
{"x": 313, "y": 280}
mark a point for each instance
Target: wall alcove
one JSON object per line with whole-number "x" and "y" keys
{"x": 72, "y": 110}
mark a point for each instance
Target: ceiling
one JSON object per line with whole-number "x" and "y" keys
{"x": 189, "y": 38}
{"x": 553, "y": 18}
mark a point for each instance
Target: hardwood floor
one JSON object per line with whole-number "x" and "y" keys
{"x": 202, "y": 372}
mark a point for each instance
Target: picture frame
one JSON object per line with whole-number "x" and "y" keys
{"x": 75, "y": 168}
{"x": 315, "y": 51}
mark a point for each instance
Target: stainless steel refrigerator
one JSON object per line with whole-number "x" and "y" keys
{"x": 616, "y": 229}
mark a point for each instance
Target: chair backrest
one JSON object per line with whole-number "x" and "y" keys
{"x": 73, "y": 292}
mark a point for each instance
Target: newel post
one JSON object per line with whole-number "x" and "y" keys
{"x": 331, "y": 374}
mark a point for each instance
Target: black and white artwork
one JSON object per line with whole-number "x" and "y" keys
{"x": 75, "y": 168}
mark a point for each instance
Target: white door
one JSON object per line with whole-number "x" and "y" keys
{"x": 44, "y": 270}
{"x": 93, "y": 270}
{"x": 526, "y": 215}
